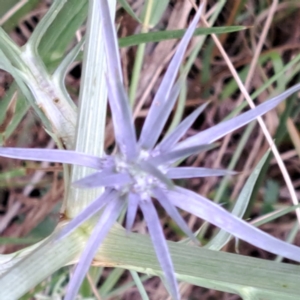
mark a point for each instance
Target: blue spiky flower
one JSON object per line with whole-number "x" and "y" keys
{"x": 142, "y": 170}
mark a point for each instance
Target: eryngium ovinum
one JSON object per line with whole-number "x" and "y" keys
{"x": 143, "y": 170}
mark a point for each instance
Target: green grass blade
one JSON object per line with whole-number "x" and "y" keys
{"x": 211, "y": 269}
{"x": 173, "y": 34}
{"x": 14, "y": 20}
{"x": 129, "y": 10}
{"x": 223, "y": 237}
{"x": 157, "y": 10}
{"x": 44, "y": 24}
{"x": 139, "y": 285}
{"x": 93, "y": 96}
{"x": 61, "y": 32}
{"x": 111, "y": 281}
{"x": 18, "y": 241}
{"x": 10, "y": 51}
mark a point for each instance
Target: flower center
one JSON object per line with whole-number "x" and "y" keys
{"x": 142, "y": 182}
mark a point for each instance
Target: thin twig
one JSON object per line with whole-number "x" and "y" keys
{"x": 260, "y": 121}
{"x": 93, "y": 287}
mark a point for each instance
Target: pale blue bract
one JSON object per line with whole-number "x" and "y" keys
{"x": 142, "y": 169}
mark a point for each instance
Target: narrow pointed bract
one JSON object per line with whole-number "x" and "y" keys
{"x": 87, "y": 213}
{"x": 133, "y": 202}
{"x": 106, "y": 221}
{"x": 106, "y": 178}
{"x": 139, "y": 171}
{"x": 155, "y": 172}
{"x": 191, "y": 172}
{"x": 216, "y": 215}
{"x": 175, "y": 155}
{"x": 118, "y": 99}
{"x": 59, "y": 156}
{"x": 170, "y": 140}
{"x": 165, "y": 87}
{"x": 160, "y": 245}
{"x": 123, "y": 125}
{"x": 162, "y": 198}
{"x": 214, "y": 133}
{"x": 160, "y": 119}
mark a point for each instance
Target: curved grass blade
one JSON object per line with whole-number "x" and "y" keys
{"x": 216, "y": 215}
{"x": 44, "y": 24}
{"x": 170, "y": 140}
{"x": 160, "y": 246}
{"x": 10, "y": 50}
{"x": 59, "y": 156}
{"x": 61, "y": 71}
{"x": 165, "y": 87}
{"x": 55, "y": 42}
{"x": 214, "y": 133}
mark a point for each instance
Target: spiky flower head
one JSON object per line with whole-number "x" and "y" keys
{"x": 143, "y": 170}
